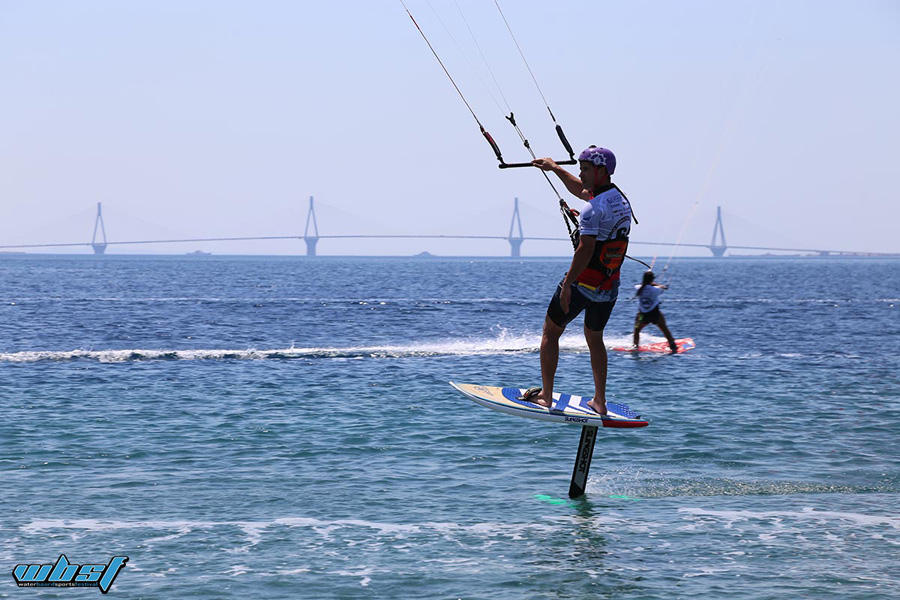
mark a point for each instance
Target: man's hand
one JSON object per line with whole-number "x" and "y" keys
{"x": 572, "y": 183}
{"x": 583, "y": 253}
{"x": 545, "y": 164}
{"x": 565, "y": 295}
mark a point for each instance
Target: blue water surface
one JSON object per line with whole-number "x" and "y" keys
{"x": 275, "y": 427}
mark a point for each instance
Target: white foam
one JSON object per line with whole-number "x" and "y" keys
{"x": 297, "y": 571}
{"x": 805, "y": 514}
{"x": 42, "y": 526}
{"x": 362, "y": 572}
{"x": 707, "y": 571}
{"x": 254, "y": 529}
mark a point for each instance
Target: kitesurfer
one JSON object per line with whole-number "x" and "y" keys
{"x": 648, "y": 294}
{"x": 592, "y": 282}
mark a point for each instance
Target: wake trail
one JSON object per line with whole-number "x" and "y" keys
{"x": 503, "y": 344}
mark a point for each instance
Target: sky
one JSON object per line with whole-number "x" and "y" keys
{"x": 194, "y": 119}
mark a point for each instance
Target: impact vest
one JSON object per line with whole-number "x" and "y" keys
{"x": 608, "y": 216}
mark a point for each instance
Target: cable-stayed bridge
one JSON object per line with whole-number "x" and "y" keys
{"x": 515, "y": 238}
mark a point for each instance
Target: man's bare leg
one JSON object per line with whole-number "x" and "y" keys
{"x": 598, "y": 366}
{"x": 549, "y": 361}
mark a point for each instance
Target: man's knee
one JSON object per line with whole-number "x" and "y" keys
{"x": 551, "y": 329}
{"x": 592, "y": 336}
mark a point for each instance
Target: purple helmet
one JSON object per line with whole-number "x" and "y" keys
{"x": 599, "y": 157}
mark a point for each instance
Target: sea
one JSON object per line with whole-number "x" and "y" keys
{"x": 283, "y": 427}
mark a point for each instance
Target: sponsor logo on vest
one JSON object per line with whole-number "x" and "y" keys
{"x": 66, "y": 574}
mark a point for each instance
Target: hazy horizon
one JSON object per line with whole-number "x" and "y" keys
{"x": 220, "y": 119}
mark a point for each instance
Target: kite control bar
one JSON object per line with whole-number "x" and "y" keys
{"x": 505, "y": 165}
{"x": 528, "y": 164}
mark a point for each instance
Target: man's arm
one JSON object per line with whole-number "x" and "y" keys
{"x": 581, "y": 259}
{"x": 580, "y": 262}
{"x": 572, "y": 183}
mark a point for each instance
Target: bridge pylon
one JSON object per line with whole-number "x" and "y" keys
{"x": 718, "y": 250}
{"x": 515, "y": 242}
{"x": 99, "y": 247}
{"x": 311, "y": 240}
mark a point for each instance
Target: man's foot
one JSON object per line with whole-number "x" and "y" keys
{"x": 597, "y": 407}
{"x": 673, "y": 348}
{"x": 540, "y": 400}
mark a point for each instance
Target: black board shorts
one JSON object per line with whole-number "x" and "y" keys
{"x": 596, "y": 314}
{"x": 650, "y": 318}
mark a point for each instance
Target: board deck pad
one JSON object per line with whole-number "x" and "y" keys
{"x": 683, "y": 345}
{"x": 566, "y": 408}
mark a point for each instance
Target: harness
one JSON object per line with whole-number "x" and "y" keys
{"x": 602, "y": 271}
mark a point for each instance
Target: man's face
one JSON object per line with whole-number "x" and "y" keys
{"x": 588, "y": 174}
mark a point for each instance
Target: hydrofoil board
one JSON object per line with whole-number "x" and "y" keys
{"x": 566, "y": 408}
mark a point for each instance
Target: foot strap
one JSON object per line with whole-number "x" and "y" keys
{"x": 529, "y": 394}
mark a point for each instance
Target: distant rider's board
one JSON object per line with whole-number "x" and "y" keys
{"x": 566, "y": 408}
{"x": 683, "y": 345}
